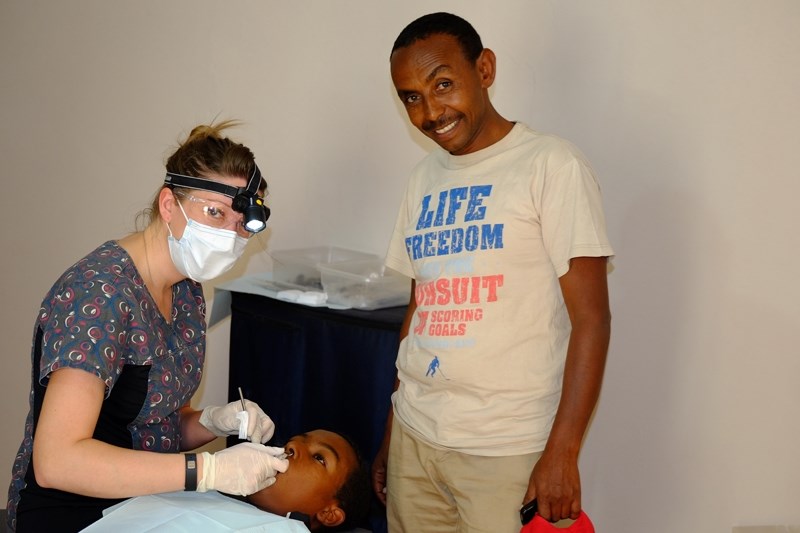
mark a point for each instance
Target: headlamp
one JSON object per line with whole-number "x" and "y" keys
{"x": 245, "y": 200}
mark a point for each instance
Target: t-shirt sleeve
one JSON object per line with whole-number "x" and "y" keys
{"x": 573, "y": 222}
{"x": 397, "y": 254}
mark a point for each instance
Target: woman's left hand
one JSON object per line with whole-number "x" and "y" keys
{"x": 222, "y": 421}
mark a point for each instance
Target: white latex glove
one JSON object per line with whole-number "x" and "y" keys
{"x": 242, "y": 469}
{"x": 222, "y": 421}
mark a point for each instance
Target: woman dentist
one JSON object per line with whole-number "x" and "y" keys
{"x": 118, "y": 351}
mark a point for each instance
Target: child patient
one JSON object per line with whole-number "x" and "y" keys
{"x": 326, "y": 481}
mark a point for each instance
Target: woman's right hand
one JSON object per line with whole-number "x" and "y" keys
{"x": 242, "y": 469}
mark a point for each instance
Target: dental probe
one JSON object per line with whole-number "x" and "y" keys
{"x": 241, "y": 397}
{"x": 244, "y": 418}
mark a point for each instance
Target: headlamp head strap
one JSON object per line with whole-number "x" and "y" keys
{"x": 245, "y": 200}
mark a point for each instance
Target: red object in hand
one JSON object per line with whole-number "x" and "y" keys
{"x": 540, "y": 525}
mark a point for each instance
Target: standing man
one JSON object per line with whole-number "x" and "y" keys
{"x": 503, "y": 233}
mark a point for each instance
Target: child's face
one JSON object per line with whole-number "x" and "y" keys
{"x": 319, "y": 463}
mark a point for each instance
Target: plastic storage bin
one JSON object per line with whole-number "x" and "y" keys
{"x": 364, "y": 284}
{"x": 300, "y": 267}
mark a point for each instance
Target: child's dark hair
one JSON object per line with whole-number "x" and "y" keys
{"x": 355, "y": 493}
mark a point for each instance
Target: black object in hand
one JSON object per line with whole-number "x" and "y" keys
{"x": 527, "y": 511}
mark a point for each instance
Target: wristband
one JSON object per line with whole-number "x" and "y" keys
{"x": 191, "y": 472}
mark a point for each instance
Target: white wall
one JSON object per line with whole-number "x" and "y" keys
{"x": 688, "y": 110}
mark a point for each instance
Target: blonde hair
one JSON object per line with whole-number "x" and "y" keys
{"x": 204, "y": 153}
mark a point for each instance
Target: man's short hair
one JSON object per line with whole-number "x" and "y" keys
{"x": 442, "y": 23}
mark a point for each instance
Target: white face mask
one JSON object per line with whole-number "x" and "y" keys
{"x": 203, "y": 252}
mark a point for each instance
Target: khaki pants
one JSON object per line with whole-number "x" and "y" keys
{"x": 433, "y": 490}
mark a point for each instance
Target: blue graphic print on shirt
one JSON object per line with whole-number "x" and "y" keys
{"x": 464, "y": 202}
{"x": 449, "y": 296}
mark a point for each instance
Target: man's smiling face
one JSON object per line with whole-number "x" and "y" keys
{"x": 445, "y": 95}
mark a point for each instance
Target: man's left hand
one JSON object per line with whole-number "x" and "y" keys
{"x": 555, "y": 483}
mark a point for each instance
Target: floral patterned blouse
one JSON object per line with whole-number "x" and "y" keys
{"x": 100, "y": 317}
